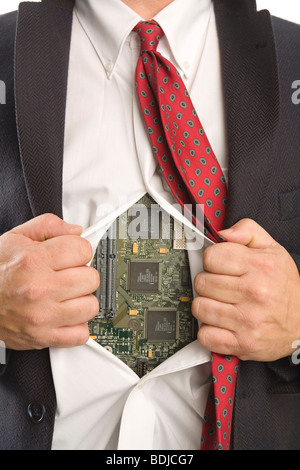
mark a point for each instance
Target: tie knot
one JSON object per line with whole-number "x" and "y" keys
{"x": 150, "y": 34}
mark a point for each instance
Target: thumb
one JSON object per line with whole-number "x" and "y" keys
{"x": 46, "y": 226}
{"x": 247, "y": 232}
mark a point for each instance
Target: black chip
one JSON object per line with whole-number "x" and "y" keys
{"x": 185, "y": 276}
{"x": 143, "y": 276}
{"x": 161, "y": 325}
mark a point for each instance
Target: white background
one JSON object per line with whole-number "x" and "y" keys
{"x": 288, "y": 9}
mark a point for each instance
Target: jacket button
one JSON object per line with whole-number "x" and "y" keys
{"x": 36, "y": 412}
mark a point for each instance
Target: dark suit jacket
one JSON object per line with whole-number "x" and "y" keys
{"x": 260, "y": 61}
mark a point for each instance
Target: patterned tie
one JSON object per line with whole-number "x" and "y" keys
{"x": 194, "y": 176}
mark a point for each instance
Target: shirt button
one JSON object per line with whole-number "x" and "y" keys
{"x": 109, "y": 66}
{"x": 36, "y": 412}
{"x": 186, "y": 65}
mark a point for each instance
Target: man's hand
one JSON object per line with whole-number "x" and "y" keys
{"x": 45, "y": 286}
{"x": 249, "y": 296}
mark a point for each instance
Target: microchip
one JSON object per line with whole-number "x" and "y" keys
{"x": 185, "y": 276}
{"x": 161, "y": 325}
{"x": 143, "y": 276}
{"x": 142, "y": 367}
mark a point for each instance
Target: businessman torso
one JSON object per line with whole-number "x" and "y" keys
{"x": 260, "y": 62}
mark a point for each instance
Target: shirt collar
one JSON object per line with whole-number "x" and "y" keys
{"x": 184, "y": 28}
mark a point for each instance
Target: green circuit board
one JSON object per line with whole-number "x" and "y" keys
{"x": 145, "y": 291}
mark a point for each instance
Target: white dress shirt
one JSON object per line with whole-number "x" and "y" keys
{"x": 108, "y": 166}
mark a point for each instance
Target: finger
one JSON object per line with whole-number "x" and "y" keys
{"x": 226, "y": 258}
{"x": 46, "y": 226}
{"x": 76, "y": 311}
{"x": 248, "y": 233}
{"x": 75, "y": 282}
{"x": 218, "y": 340}
{"x": 213, "y": 313}
{"x": 69, "y": 336}
{"x": 219, "y": 287}
{"x": 67, "y": 252}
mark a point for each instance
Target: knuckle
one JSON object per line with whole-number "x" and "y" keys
{"x": 34, "y": 333}
{"x": 95, "y": 278}
{"x": 250, "y": 223}
{"x": 250, "y": 340}
{"x": 27, "y": 259}
{"x": 48, "y": 218}
{"x": 91, "y": 306}
{"x": 257, "y": 291}
{"x": 199, "y": 283}
{"x": 269, "y": 264}
{"x": 251, "y": 321}
{"x": 231, "y": 345}
{"x": 265, "y": 263}
{"x": 34, "y": 321}
{"x": 33, "y": 292}
{"x": 196, "y": 307}
{"x": 195, "y": 304}
{"x": 47, "y": 221}
{"x": 84, "y": 336}
{"x": 199, "y": 308}
{"x": 204, "y": 338}
{"x": 85, "y": 250}
{"x": 208, "y": 256}
{"x": 94, "y": 305}
{"x": 247, "y": 348}
{"x": 201, "y": 336}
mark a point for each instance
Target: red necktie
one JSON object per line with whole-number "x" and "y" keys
{"x": 194, "y": 176}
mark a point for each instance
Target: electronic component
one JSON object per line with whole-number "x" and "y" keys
{"x": 145, "y": 291}
{"x": 143, "y": 276}
{"x": 133, "y": 312}
{"x": 142, "y": 367}
{"x": 179, "y": 240}
{"x": 135, "y": 249}
{"x": 185, "y": 276}
{"x": 161, "y": 325}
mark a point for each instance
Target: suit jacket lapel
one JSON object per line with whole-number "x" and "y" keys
{"x": 251, "y": 96}
{"x": 41, "y": 71}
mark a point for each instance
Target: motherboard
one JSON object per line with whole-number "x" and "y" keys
{"x": 145, "y": 291}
